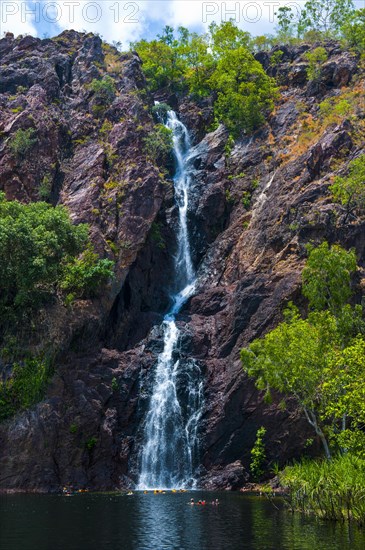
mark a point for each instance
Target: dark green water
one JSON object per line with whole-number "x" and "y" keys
{"x": 163, "y": 522}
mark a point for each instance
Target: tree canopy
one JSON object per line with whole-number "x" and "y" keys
{"x": 319, "y": 360}
{"x": 244, "y": 91}
{"x": 38, "y": 243}
{"x": 327, "y": 277}
{"x": 350, "y": 190}
{"x": 327, "y": 16}
{"x": 218, "y": 62}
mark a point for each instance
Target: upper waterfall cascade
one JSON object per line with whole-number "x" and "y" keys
{"x": 170, "y": 443}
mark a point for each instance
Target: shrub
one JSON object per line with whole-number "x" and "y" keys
{"x": 335, "y": 107}
{"x": 85, "y": 275}
{"x": 158, "y": 144}
{"x": 316, "y": 58}
{"x": 246, "y": 199}
{"x": 104, "y": 90}
{"x": 35, "y": 240}
{"x": 45, "y": 188}
{"x": 157, "y": 236}
{"x": 160, "y": 111}
{"x": 276, "y": 58}
{"x": 22, "y": 141}
{"x": 258, "y": 455}
{"x": 39, "y": 249}
{"x": 25, "y": 388}
{"x": 229, "y": 197}
{"x": 90, "y": 443}
{"x": 106, "y": 129}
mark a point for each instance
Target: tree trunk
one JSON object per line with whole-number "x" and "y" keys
{"x": 312, "y": 419}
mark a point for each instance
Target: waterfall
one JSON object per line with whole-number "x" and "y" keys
{"x": 170, "y": 445}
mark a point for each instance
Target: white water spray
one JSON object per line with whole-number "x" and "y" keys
{"x": 170, "y": 444}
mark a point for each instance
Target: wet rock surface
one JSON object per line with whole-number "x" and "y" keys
{"x": 252, "y": 212}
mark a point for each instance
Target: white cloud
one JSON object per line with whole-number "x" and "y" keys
{"x": 186, "y": 14}
{"x": 129, "y": 20}
{"x": 18, "y": 17}
{"x": 120, "y": 21}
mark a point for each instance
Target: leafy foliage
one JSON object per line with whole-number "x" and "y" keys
{"x": 38, "y": 250}
{"x": 315, "y": 59}
{"x": 345, "y": 396}
{"x": 244, "y": 91}
{"x": 309, "y": 358}
{"x": 219, "y": 62}
{"x": 327, "y": 277}
{"x": 158, "y": 144}
{"x": 293, "y": 359}
{"x": 354, "y": 30}
{"x": 160, "y": 110}
{"x": 258, "y": 455}
{"x": 326, "y": 16}
{"x": 83, "y": 276}
{"x": 25, "y": 387}
{"x": 163, "y": 62}
{"x": 45, "y": 188}
{"x": 285, "y": 17}
{"x": 34, "y": 241}
{"x": 227, "y": 37}
{"x": 22, "y": 141}
{"x": 104, "y": 90}
{"x": 91, "y": 443}
{"x": 350, "y": 190}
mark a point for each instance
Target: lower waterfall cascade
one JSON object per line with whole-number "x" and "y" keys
{"x": 170, "y": 433}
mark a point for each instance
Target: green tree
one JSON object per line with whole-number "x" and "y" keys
{"x": 226, "y": 37}
{"x": 350, "y": 190}
{"x": 353, "y": 30}
{"x": 34, "y": 241}
{"x": 327, "y": 277}
{"x": 163, "y": 63}
{"x": 326, "y": 16}
{"x": 244, "y": 91}
{"x": 82, "y": 277}
{"x": 345, "y": 396}
{"x": 37, "y": 242}
{"x": 200, "y": 65}
{"x": 285, "y": 17}
{"x": 309, "y": 358}
{"x": 293, "y": 359}
{"x": 315, "y": 59}
{"x": 261, "y": 43}
{"x": 219, "y": 62}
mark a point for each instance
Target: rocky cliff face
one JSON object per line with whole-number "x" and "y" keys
{"x": 253, "y": 210}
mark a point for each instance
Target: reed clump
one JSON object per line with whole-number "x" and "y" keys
{"x": 331, "y": 489}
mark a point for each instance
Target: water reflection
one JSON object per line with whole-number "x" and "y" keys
{"x": 163, "y": 522}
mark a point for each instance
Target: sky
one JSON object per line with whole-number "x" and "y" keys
{"x": 129, "y": 20}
